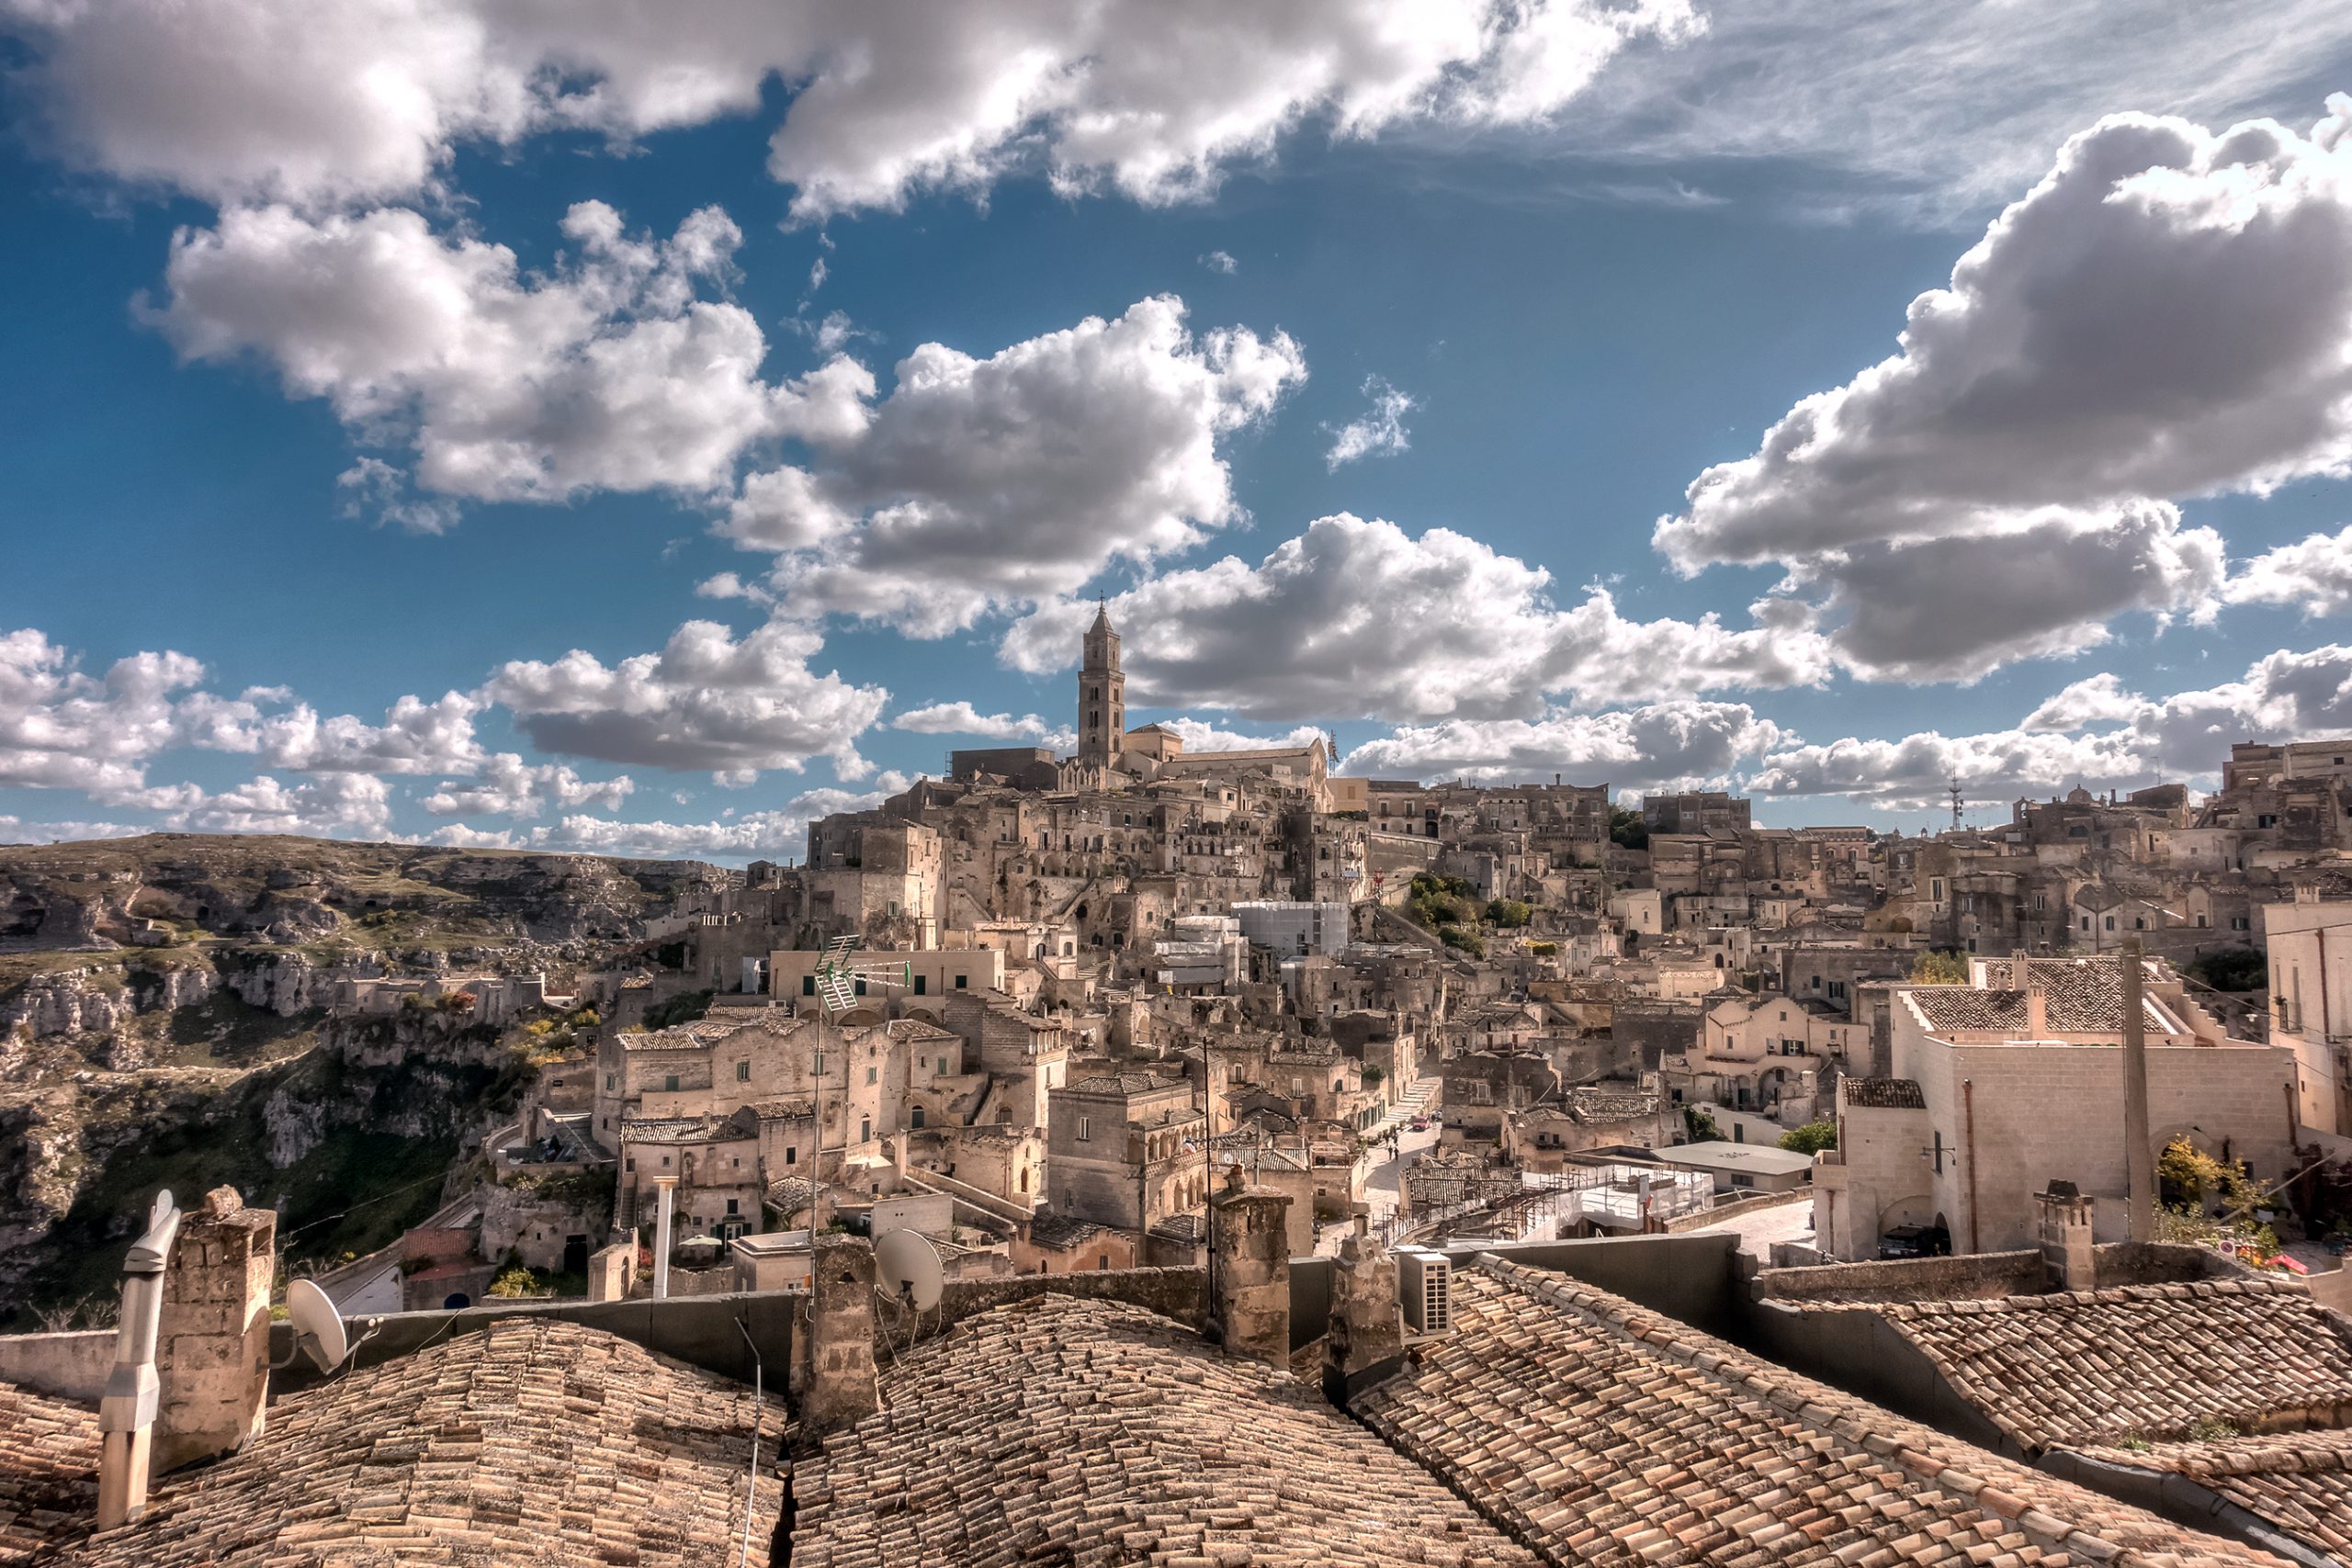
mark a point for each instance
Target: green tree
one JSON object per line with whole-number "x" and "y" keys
{"x": 1811, "y": 1138}
{"x": 1700, "y": 1123}
{"x": 1507, "y": 913}
{"x": 1937, "y": 968}
{"x": 2233, "y": 969}
{"x": 1626, "y": 829}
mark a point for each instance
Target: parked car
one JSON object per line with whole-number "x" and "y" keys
{"x": 1420, "y": 1123}
{"x": 1915, "y": 1241}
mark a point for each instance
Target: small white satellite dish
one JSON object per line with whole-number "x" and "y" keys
{"x": 906, "y": 1268}
{"x": 318, "y": 1327}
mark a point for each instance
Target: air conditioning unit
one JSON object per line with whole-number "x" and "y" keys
{"x": 1425, "y": 1290}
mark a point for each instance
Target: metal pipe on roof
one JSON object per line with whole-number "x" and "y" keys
{"x": 2138, "y": 1159}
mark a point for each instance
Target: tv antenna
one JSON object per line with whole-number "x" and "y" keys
{"x": 318, "y": 1326}
{"x": 907, "y": 1269}
{"x": 837, "y": 977}
{"x": 1958, "y": 801}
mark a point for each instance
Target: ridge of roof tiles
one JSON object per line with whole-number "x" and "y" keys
{"x": 1094, "y": 1433}
{"x": 2079, "y": 1367}
{"x": 1604, "y": 1433}
{"x": 2300, "y": 1483}
{"x": 531, "y": 1441}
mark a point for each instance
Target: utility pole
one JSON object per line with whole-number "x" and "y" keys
{"x": 2138, "y": 1159}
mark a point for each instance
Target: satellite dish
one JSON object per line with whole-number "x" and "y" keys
{"x": 906, "y": 1268}
{"x": 318, "y": 1327}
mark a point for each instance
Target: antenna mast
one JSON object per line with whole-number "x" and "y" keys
{"x": 1958, "y": 801}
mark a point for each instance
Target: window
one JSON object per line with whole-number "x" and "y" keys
{"x": 670, "y": 1082}
{"x": 743, "y": 1072}
{"x": 963, "y": 982}
{"x": 2111, "y": 922}
{"x": 819, "y": 1068}
{"x": 808, "y": 985}
{"x": 609, "y": 1082}
{"x": 791, "y": 1156}
{"x": 1085, "y": 1129}
{"x": 869, "y": 1074}
{"x": 730, "y": 1206}
{"x": 2201, "y": 919}
{"x": 864, "y": 1128}
{"x": 861, "y": 987}
{"x": 923, "y": 984}
{"x": 915, "y": 1113}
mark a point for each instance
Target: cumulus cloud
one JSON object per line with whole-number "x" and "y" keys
{"x": 2314, "y": 575}
{"x": 1221, "y": 261}
{"x": 981, "y": 484}
{"x": 62, "y": 729}
{"x": 1200, "y": 734}
{"x": 332, "y": 806}
{"x": 278, "y": 100}
{"x": 508, "y": 786}
{"x": 1954, "y": 608}
{"x": 609, "y": 372}
{"x": 1380, "y": 432}
{"x": 16, "y": 830}
{"x": 2094, "y": 733}
{"x": 1358, "y": 619}
{"x": 737, "y": 707}
{"x": 782, "y": 832}
{"x": 2167, "y": 313}
{"x": 962, "y": 718}
{"x": 1685, "y": 743}
{"x": 416, "y": 737}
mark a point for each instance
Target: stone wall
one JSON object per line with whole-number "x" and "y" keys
{"x": 1982, "y": 1276}
{"x": 72, "y": 1365}
{"x": 1179, "y": 1293}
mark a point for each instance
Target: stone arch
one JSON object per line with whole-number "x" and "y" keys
{"x": 1918, "y": 1209}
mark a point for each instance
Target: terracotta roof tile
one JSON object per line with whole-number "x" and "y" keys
{"x": 1607, "y": 1433}
{"x": 1089, "y": 1433}
{"x": 48, "y": 1472}
{"x": 2301, "y": 1482}
{"x": 532, "y": 1443}
{"x": 2096, "y": 1366}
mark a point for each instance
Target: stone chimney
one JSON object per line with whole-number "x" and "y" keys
{"x": 213, "y": 1339}
{"x": 2037, "y": 1014}
{"x": 2064, "y": 1216}
{"x": 1250, "y": 1270}
{"x": 1367, "y": 1329}
{"x": 840, "y": 1333}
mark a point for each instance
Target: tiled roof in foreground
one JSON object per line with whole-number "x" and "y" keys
{"x": 1610, "y": 1435}
{"x": 1089, "y": 1433}
{"x": 48, "y": 1472}
{"x": 2146, "y": 1361}
{"x": 2299, "y": 1483}
{"x": 529, "y": 1443}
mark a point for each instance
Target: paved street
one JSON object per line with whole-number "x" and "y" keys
{"x": 1759, "y": 1229}
{"x": 1380, "y": 1182}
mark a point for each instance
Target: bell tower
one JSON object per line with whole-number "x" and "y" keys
{"x": 1101, "y": 693}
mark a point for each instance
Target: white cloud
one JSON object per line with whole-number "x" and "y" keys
{"x": 62, "y": 729}
{"x": 1675, "y": 743}
{"x": 332, "y": 806}
{"x": 706, "y": 701}
{"x": 16, "y": 830}
{"x": 246, "y": 100}
{"x": 2094, "y": 733}
{"x": 1200, "y": 734}
{"x": 607, "y": 373}
{"x": 1380, "y": 432}
{"x": 2169, "y": 314}
{"x": 962, "y": 718}
{"x": 1357, "y": 619}
{"x": 2313, "y": 574}
{"x": 416, "y": 737}
{"x": 1938, "y": 110}
{"x": 508, "y": 786}
{"x": 782, "y": 832}
{"x": 1221, "y": 261}
{"x": 982, "y": 483}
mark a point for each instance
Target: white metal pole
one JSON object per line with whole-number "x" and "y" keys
{"x": 668, "y": 1189}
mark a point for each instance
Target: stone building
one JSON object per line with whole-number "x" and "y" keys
{"x": 1123, "y": 1150}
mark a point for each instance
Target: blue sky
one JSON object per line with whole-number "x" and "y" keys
{"x": 428, "y": 421}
